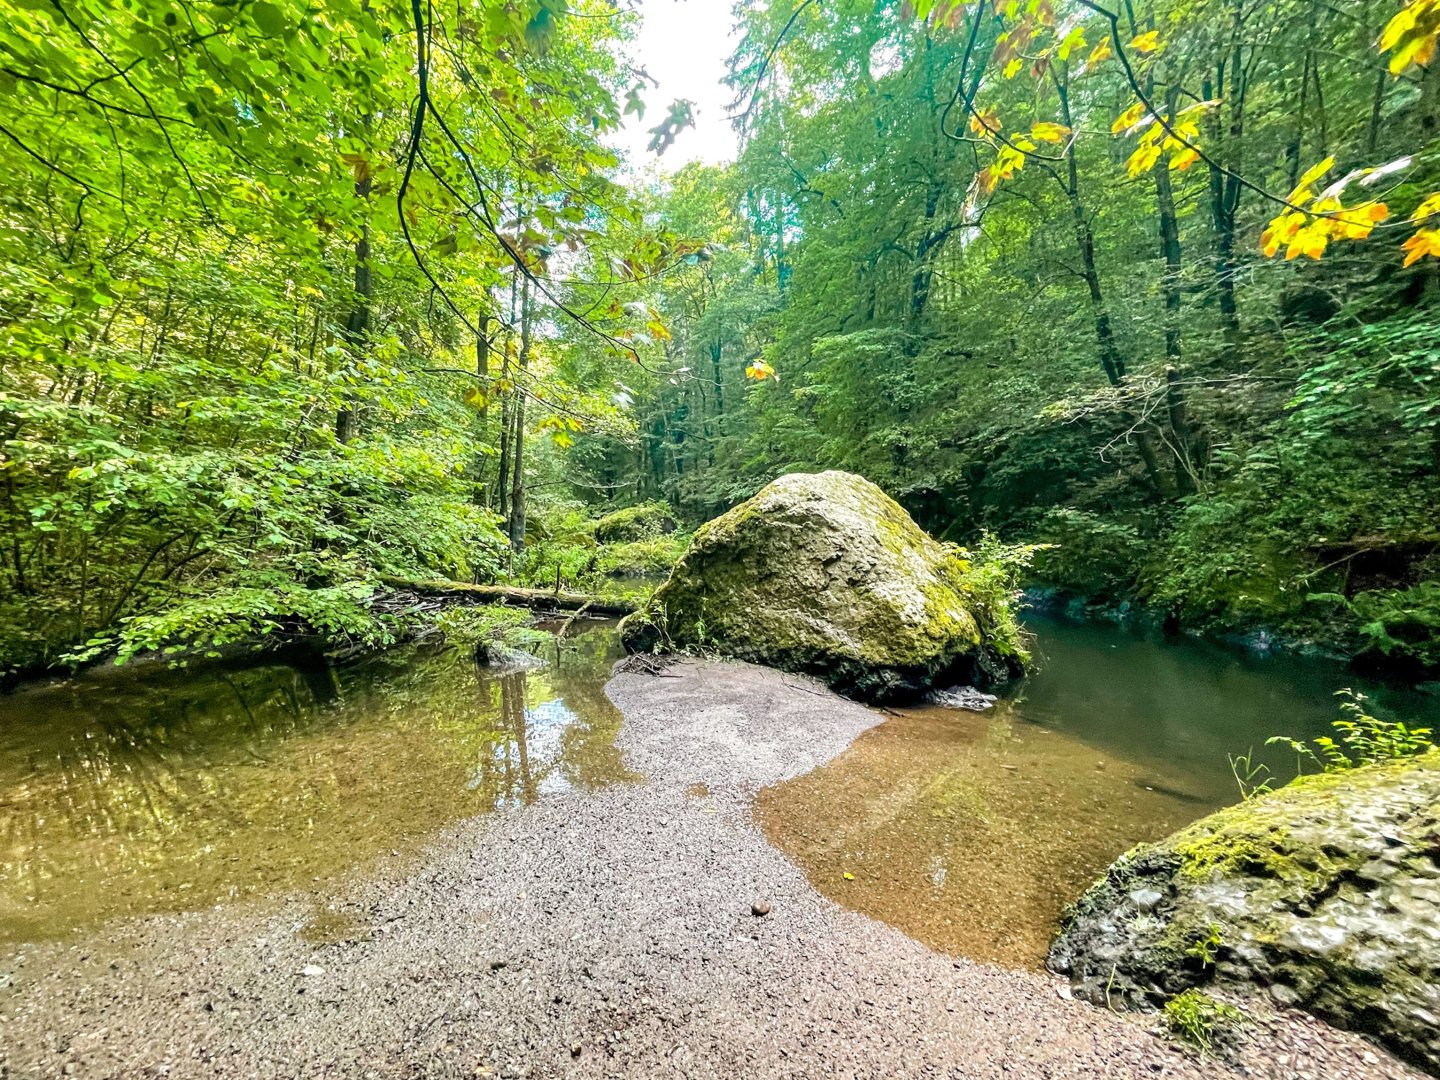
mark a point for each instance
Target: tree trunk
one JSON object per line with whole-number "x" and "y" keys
{"x": 517, "y": 463}
{"x": 1110, "y": 359}
{"x": 357, "y": 324}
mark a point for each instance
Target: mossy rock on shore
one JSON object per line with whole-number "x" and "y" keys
{"x": 644, "y": 522}
{"x": 824, "y": 573}
{"x": 1325, "y": 895}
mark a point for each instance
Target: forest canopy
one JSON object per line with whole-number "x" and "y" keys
{"x": 301, "y": 299}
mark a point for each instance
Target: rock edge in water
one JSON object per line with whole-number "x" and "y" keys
{"x": 826, "y": 574}
{"x": 1325, "y": 895}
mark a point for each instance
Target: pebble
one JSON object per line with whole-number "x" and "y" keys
{"x": 760, "y": 908}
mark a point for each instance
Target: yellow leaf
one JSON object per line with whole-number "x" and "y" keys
{"x": 1048, "y": 132}
{"x": 1128, "y": 119}
{"x": 1423, "y": 243}
{"x": 759, "y": 370}
{"x": 1143, "y": 159}
{"x": 1428, "y": 208}
{"x": 1101, "y": 53}
{"x": 1007, "y": 163}
{"x": 1402, "y": 23}
{"x": 986, "y": 123}
{"x": 1302, "y": 193}
{"x": 1073, "y": 40}
{"x": 1013, "y": 67}
{"x": 1183, "y": 159}
{"x": 1281, "y": 232}
{"x": 1147, "y": 42}
{"x": 1309, "y": 241}
{"x": 848, "y": 876}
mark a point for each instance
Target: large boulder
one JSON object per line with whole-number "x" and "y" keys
{"x": 1325, "y": 894}
{"x": 824, "y": 573}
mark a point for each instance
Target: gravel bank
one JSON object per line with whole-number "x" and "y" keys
{"x": 604, "y": 934}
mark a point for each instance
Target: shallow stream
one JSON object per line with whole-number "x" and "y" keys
{"x": 136, "y": 791}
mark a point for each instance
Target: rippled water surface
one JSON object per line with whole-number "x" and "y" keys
{"x": 972, "y": 831}
{"x": 131, "y": 792}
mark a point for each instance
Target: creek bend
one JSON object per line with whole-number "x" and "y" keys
{"x": 156, "y": 791}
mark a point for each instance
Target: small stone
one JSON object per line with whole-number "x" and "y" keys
{"x": 575, "y": 1049}
{"x": 760, "y": 908}
{"x": 1146, "y": 899}
{"x": 312, "y": 969}
{"x": 498, "y": 963}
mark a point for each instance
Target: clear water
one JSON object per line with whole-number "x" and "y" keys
{"x": 138, "y": 791}
{"x": 972, "y": 832}
{"x": 135, "y": 791}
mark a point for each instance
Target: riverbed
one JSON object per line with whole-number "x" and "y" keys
{"x": 146, "y": 791}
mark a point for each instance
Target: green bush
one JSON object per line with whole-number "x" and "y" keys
{"x": 1360, "y": 739}
{"x": 641, "y": 558}
{"x": 1402, "y": 623}
{"x": 991, "y": 574}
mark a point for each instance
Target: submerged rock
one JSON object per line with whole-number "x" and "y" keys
{"x": 825, "y": 573}
{"x": 504, "y": 659}
{"x": 961, "y": 697}
{"x": 1325, "y": 894}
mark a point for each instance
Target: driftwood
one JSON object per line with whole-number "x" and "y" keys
{"x": 544, "y": 599}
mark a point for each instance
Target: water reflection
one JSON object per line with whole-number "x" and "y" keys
{"x": 138, "y": 792}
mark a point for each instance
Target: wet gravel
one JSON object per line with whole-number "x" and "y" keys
{"x": 606, "y": 934}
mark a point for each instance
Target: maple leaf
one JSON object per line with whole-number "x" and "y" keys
{"x": 1423, "y": 243}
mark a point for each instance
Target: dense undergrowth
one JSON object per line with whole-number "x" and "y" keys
{"x": 297, "y": 301}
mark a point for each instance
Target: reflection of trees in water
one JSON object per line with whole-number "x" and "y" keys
{"x": 131, "y": 749}
{"x": 128, "y": 789}
{"x": 504, "y": 775}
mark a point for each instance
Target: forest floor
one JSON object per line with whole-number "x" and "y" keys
{"x": 608, "y": 933}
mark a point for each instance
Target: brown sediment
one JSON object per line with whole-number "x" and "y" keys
{"x": 969, "y": 831}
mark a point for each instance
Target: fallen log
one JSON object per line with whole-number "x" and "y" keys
{"x": 511, "y": 594}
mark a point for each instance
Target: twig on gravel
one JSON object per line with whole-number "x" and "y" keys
{"x": 807, "y": 689}
{"x": 646, "y": 664}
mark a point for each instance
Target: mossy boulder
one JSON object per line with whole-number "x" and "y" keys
{"x": 824, "y": 573}
{"x": 1325, "y": 894}
{"x": 644, "y": 522}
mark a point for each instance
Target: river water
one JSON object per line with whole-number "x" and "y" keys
{"x": 132, "y": 792}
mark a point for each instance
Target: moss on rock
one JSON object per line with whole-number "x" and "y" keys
{"x": 822, "y": 573}
{"x": 644, "y": 522}
{"x": 1325, "y": 893}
